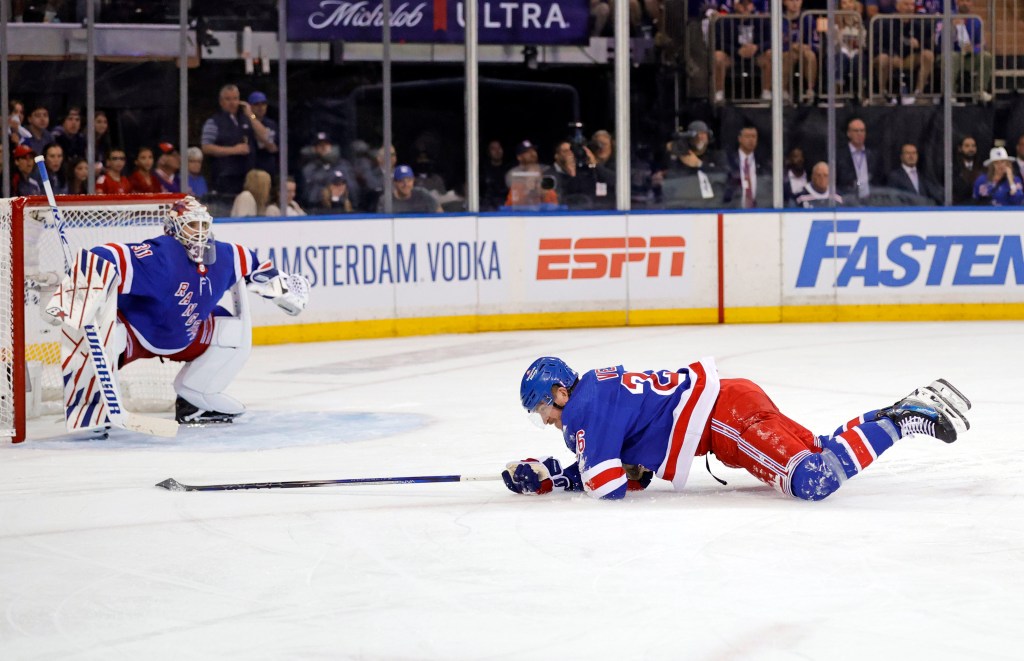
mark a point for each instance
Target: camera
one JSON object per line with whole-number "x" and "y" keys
{"x": 578, "y": 142}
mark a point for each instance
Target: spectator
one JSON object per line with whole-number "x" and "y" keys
{"x": 38, "y": 125}
{"x": 493, "y": 187}
{"x": 857, "y": 167}
{"x": 255, "y": 195}
{"x": 795, "y": 179}
{"x": 408, "y": 199}
{"x": 335, "y": 196}
{"x": 78, "y": 177}
{"x": 317, "y": 174}
{"x": 600, "y": 10}
{"x": 904, "y": 44}
{"x": 266, "y": 150}
{"x": 797, "y": 53}
{"x": 966, "y": 170}
{"x": 101, "y": 129}
{"x": 530, "y": 183}
{"x": 970, "y": 61}
{"x": 111, "y": 182}
{"x": 17, "y": 132}
{"x": 691, "y": 151}
{"x": 293, "y": 207}
{"x": 743, "y": 42}
{"x": 24, "y": 181}
{"x": 69, "y": 134}
{"x": 196, "y": 181}
{"x": 876, "y": 7}
{"x": 852, "y": 42}
{"x": 602, "y": 144}
{"x": 1018, "y": 163}
{"x": 999, "y": 187}
{"x": 741, "y": 188}
{"x": 371, "y": 178}
{"x": 816, "y": 193}
{"x": 925, "y": 190}
{"x": 579, "y": 186}
{"x": 168, "y": 166}
{"x": 229, "y": 139}
{"x": 143, "y": 180}
{"x": 53, "y": 157}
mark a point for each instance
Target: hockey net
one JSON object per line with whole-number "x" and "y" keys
{"x": 33, "y": 264}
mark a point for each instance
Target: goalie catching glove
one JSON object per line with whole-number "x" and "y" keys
{"x": 290, "y": 292}
{"x": 540, "y": 476}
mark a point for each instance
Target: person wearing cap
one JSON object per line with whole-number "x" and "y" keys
{"x": 406, "y": 197}
{"x": 24, "y": 182}
{"x": 230, "y": 138}
{"x": 69, "y": 134}
{"x": 196, "y": 181}
{"x": 335, "y": 195}
{"x": 999, "y": 187}
{"x": 168, "y": 164}
{"x": 266, "y": 150}
{"x": 318, "y": 172}
{"x": 531, "y": 182}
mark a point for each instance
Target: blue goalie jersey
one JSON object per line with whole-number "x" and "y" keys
{"x": 653, "y": 419}
{"x": 162, "y": 294}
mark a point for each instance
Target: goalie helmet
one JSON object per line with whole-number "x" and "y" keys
{"x": 191, "y": 225}
{"x": 541, "y": 376}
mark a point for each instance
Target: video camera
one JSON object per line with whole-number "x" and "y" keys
{"x": 682, "y": 141}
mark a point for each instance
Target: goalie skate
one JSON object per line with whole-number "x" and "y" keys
{"x": 186, "y": 413}
{"x": 938, "y": 410}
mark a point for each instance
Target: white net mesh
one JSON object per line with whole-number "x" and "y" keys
{"x": 6, "y": 322}
{"x": 146, "y": 385}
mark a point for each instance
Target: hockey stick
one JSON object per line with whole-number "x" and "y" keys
{"x": 117, "y": 414}
{"x": 172, "y": 484}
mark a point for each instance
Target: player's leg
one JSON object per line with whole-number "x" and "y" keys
{"x": 221, "y": 349}
{"x": 748, "y": 431}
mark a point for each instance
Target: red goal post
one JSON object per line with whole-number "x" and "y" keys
{"x": 30, "y": 259}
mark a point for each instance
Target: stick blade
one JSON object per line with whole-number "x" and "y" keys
{"x": 172, "y": 484}
{"x": 149, "y": 425}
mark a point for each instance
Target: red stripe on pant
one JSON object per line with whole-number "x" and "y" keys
{"x": 772, "y": 437}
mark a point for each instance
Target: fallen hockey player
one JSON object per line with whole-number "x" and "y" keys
{"x": 627, "y": 428}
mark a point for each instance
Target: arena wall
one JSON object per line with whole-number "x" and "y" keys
{"x": 378, "y": 277}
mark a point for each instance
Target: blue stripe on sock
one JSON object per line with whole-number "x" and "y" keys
{"x": 881, "y": 434}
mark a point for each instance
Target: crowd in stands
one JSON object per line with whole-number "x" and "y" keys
{"x": 239, "y": 154}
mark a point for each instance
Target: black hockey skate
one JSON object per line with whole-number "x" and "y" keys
{"x": 937, "y": 410}
{"x": 186, "y": 413}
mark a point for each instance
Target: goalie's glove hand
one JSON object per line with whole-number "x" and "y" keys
{"x": 290, "y": 292}
{"x": 539, "y": 476}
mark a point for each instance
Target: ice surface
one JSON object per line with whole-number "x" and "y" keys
{"x": 920, "y": 557}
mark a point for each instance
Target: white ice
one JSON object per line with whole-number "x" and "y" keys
{"x": 920, "y": 557}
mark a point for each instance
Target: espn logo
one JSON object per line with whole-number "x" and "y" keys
{"x": 599, "y": 257}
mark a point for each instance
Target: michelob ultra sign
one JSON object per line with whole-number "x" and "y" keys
{"x": 440, "y": 21}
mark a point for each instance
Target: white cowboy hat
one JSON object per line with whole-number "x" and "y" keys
{"x": 997, "y": 154}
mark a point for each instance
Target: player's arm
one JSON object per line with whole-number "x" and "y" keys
{"x": 290, "y": 292}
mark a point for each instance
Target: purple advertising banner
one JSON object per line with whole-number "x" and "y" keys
{"x": 440, "y": 21}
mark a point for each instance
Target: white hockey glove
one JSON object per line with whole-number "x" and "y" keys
{"x": 39, "y": 287}
{"x": 81, "y": 295}
{"x": 290, "y": 292}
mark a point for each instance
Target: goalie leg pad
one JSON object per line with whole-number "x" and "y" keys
{"x": 202, "y": 381}
{"x": 84, "y": 405}
{"x": 83, "y": 296}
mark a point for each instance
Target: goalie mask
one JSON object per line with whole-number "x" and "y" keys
{"x": 191, "y": 225}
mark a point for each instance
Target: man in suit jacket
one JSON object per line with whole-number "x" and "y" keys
{"x": 857, "y": 167}
{"x": 924, "y": 190}
{"x": 742, "y": 189}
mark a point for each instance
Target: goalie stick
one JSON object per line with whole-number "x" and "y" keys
{"x": 116, "y": 412}
{"x": 172, "y": 484}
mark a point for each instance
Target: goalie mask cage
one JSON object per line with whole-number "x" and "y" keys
{"x": 32, "y": 266}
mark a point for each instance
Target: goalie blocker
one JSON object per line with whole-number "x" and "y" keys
{"x": 162, "y": 298}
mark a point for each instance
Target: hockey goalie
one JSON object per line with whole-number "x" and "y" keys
{"x": 163, "y": 298}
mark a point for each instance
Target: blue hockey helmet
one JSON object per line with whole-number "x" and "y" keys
{"x": 541, "y": 376}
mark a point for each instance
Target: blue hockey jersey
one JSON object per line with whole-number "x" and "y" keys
{"x": 653, "y": 419}
{"x": 162, "y": 294}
